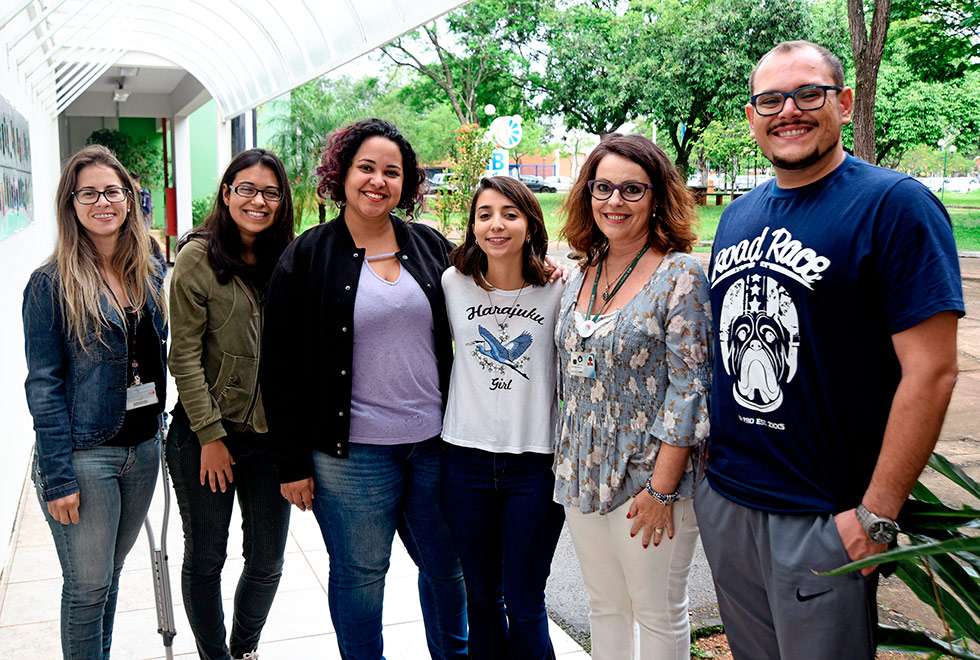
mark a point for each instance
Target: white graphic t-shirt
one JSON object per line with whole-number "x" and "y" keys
{"x": 502, "y": 394}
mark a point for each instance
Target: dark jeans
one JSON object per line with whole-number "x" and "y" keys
{"x": 360, "y": 502}
{"x": 206, "y": 517}
{"x": 506, "y": 526}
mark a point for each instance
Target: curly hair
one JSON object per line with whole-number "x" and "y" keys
{"x": 339, "y": 154}
{"x": 471, "y": 261}
{"x": 222, "y": 234}
{"x": 671, "y": 223}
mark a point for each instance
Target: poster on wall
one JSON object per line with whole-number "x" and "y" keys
{"x": 16, "y": 192}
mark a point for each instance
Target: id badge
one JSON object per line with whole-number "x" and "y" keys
{"x": 139, "y": 396}
{"x": 582, "y": 364}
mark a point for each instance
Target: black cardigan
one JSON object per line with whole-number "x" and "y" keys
{"x": 308, "y": 340}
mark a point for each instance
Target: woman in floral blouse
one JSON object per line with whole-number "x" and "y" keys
{"x": 634, "y": 338}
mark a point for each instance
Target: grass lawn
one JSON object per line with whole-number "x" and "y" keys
{"x": 966, "y": 221}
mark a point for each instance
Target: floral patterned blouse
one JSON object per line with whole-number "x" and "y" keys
{"x": 651, "y": 385}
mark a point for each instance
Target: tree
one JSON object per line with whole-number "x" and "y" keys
{"x": 943, "y": 36}
{"x": 867, "y": 47}
{"x": 472, "y": 55}
{"x": 703, "y": 52}
{"x": 597, "y": 66}
{"x": 911, "y": 112}
{"x": 726, "y": 143}
{"x": 301, "y": 122}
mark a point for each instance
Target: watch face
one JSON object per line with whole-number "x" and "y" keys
{"x": 881, "y": 532}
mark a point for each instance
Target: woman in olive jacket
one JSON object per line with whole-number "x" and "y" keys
{"x": 219, "y": 442}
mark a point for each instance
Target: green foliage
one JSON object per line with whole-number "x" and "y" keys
{"x": 474, "y": 57}
{"x": 140, "y": 157}
{"x": 301, "y": 122}
{"x": 941, "y": 566}
{"x": 702, "y": 53}
{"x": 943, "y": 36}
{"x": 201, "y": 209}
{"x": 597, "y": 67}
{"x": 727, "y": 146}
{"x": 467, "y": 165}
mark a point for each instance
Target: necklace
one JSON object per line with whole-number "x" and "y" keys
{"x": 591, "y": 322}
{"x": 606, "y": 295}
{"x": 514, "y": 304}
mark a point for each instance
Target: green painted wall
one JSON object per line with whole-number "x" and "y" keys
{"x": 204, "y": 150}
{"x": 146, "y": 127}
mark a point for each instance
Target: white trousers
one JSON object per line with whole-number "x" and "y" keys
{"x": 630, "y": 585}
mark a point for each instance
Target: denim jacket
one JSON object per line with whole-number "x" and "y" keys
{"x": 77, "y": 399}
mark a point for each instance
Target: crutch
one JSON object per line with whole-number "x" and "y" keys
{"x": 161, "y": 573}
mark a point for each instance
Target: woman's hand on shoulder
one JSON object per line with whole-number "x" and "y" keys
{"x": 560, "y": 270}
{"x": 299, "y": 493}
{"x": 216, "y": 462}
{"x": 65, "y": 509}
{"x": 650, "y": 516}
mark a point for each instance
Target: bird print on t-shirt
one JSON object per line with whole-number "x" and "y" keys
{"x": 505, "y": 354}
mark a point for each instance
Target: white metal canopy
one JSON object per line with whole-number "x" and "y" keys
{"x": 244, "y": 52}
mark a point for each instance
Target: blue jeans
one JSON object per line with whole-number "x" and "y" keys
{"x": 506, "y": 526}
{"x": 115, "y": 486}
{"x": 206, "y": 517}
{"x": 360, "y": 502}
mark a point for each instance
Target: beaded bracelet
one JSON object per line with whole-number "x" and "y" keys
{"x": 666, "y": 500}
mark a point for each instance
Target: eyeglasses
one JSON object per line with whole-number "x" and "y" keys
{"x": 89, "y": 196}
{"x": 630, "y": 191}
{"x": 809, "y": 97}
{"x": 270, "y": 194}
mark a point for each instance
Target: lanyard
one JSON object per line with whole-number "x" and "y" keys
{"x": 619, "y": 283}
{"x": 130, "y": 326}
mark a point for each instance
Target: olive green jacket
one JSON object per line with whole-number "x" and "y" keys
{"x": 216, "y": 336}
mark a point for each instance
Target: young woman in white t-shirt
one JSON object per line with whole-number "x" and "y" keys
{"x": 500, "y": 419}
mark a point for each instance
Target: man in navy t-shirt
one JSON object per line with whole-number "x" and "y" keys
{"x": 835, "y": 290}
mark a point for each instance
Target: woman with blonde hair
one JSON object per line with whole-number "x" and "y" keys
{"x": 95, "y": 331}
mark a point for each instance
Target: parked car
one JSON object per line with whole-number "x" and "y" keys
{"x": 962, "y": 184}
{"x": 537, "y": 184}
{"x": 560, "y": 183}
{"x": 440, "y": 182}
{"x": 933, "y": 183}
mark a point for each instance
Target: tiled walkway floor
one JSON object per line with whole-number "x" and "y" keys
{"x": 298, "y": 627}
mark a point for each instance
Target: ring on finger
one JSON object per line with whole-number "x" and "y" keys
{"x": 659, "y": 530}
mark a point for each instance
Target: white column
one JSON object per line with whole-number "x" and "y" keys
{"x": 224, "y": 144}
{"x": 182, "y": 167}
{"x": 248, "y": 122}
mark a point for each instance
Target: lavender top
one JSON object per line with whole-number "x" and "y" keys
{"x": 395, "y": 397}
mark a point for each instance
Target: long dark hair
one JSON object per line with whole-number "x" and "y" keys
{"x": 339, "y": 153}
{"x": 222, "y": 235}
{"x": 670, "y": 224}
{"x": 471, "y": 261}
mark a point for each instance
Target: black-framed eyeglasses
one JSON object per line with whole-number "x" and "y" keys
{"x": 89, "y": 196}
{"x": 270, "y": 194}
{"x": 808, "y": 97}
{"x": 630, "y": 191}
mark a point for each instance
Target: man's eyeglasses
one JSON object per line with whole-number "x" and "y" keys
{"x": 270, "y": 194}
{"x": 630, "y": 191}
{"x": 89, "y": 196}
{"x": 810, "y": 97}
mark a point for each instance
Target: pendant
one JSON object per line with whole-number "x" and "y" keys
{"x": 587, "y": 328}
{"x": 605, "y": 296}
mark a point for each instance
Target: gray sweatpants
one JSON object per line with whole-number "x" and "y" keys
{"x": 771, "y": 603}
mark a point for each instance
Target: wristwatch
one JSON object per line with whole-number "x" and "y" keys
{"x": 879, "y": 529}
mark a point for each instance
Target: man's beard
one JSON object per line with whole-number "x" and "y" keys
{"x": 804, "y": 162}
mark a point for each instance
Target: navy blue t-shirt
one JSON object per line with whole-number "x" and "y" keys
{"x": 807, "y": 287}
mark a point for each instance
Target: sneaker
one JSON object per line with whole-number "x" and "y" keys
{"x": 251, "y": 655}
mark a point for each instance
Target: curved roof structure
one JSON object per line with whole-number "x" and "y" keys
{"x": 244, "y": 52}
